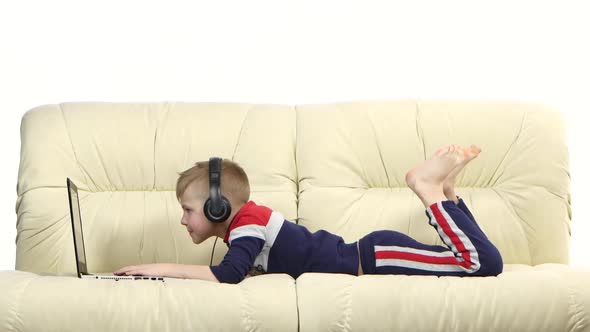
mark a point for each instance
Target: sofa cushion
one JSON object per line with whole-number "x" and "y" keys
{"x": 548, "y": 297}
{"x": 125, "y": 159}
{"x": 32, "y": 302}
{"x": 352, "y": 159}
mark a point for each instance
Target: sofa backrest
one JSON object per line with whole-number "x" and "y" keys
{"x": 339, "y": 167}
{"x": 352, "y": 159}
{"x": 125, "y": 159}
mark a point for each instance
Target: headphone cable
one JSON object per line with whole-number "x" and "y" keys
{"x": 213, "y": 251}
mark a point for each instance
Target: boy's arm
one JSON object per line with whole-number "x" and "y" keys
{"x": 238, "y": 260}
{"x": 202, "y": 272}
{"x": 236, "y": 263}
{"x": 183, "y": 271}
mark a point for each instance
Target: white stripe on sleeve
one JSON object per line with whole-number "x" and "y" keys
{"x": 248, "y": 230}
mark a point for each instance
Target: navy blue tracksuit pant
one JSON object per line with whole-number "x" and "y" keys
{"x": 468, "y": 251}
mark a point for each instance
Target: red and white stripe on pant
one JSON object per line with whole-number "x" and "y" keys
{"x": 462, "y": 257}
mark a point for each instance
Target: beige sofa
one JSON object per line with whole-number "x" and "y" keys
{"x": 338, "y": 167}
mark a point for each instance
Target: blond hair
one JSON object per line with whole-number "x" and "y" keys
{"x": 234, "y": 181}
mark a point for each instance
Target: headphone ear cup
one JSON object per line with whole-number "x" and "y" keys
{"x": 226, "y": 209}
{"x": 222, "y": 215}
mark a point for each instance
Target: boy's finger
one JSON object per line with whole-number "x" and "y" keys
{"x": 124, "y": 269}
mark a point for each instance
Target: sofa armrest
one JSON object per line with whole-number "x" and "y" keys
{"x": 31, "y": 302}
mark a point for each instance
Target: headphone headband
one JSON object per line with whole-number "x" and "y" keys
{"x": 217, "y": 208}
{"x": 215, "y": 185}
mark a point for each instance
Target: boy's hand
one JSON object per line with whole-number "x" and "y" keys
{"x": 169, "y": 270}
{"x": 161, "y": 270}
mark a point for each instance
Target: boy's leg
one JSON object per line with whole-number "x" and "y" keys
{"x": 468, "y": 252}
{"x": 461, "y": 205}
{"x": 452, "y": 196}
{"x": 449, "y": 183}
{"x": 460, "y": 233}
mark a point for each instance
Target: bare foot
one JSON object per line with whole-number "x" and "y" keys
{"x": 427, "y": 179}
{"x": 469, "y": 154}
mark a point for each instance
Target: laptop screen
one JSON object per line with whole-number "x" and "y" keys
{"x": 77, "y": 228}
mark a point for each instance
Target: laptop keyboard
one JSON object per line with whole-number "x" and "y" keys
{"x": 116, "y": 278}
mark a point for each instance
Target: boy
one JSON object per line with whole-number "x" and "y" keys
{"x": 260, "y": 240}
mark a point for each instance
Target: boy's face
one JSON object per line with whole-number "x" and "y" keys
{"x": 199, "y": 228}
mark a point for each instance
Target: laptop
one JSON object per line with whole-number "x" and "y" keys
{"x": 81, "y": 262}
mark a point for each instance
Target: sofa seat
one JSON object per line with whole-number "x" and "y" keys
{"x": 34, "y": 302}
{"x": 546, "y": 297}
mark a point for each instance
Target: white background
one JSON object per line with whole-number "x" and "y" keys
{"x": 294, "y": 52}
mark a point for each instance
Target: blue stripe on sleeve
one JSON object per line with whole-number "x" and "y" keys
{"x": 238, "y": 260}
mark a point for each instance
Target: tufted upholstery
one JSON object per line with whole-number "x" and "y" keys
{"x": 339, "y": 167}
{"x": 125, "y": 159}
{"x": 352, "y": 160}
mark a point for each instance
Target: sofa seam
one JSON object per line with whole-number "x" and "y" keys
{"x": 378, "y": 148}
{"x": 142, "y": 238}
{"x": 510, "y": 208}
{"x": 19, "y": 303}
{"x": 176, "y": 256}
{"x": 297, "y": 305}
{"x": 348, "y": 311}
{"x": 133, "y": 191}
{"x": 245, "y": 317}
{"x": 166, "y": 112}
{"x": 511, "y": 144}
{"x": 349, "y": 141}
{"x": 295, "y": 146}
{"x": 159, "y": 122}
{"x": 63, "y": 116}
{"x": 419, "y": 131}
{"x": 241, "y": 129}
{"x": 573, "y": 304}
{"x": 104, "y": 166}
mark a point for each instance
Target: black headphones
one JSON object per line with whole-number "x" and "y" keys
{"x": 217, "y": 208}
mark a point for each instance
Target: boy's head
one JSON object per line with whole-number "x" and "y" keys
{"x": 192, "y": 190}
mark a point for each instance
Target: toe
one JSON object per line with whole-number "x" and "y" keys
{"x": 458, "y": 151}
{"x": 476, "y": 149}
{"x": 442, "y": 150}
{"x": 452, "y": 148}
